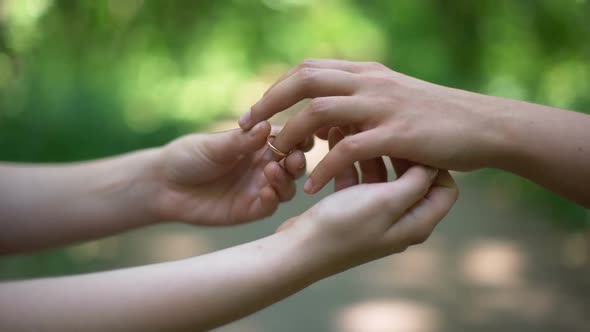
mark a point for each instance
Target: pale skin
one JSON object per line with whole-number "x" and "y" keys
{"x": 204, "y": 292}
{"x": 217, "y": 179}
{"x": 383, "y": 112}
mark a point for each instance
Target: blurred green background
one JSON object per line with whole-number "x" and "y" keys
{"x": 87, "y": 79}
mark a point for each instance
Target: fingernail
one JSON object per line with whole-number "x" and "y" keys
{"x": 254, "y": 131}
{"x": 432, "y": 172}
{"x": 245, "y": 119}
{"x": 302, "y": 166}
{"x": 308, "y": 186}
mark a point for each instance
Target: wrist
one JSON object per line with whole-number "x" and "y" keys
{"x": 492, "y": 134}
{"x": 133, "y": 186}
{"x": 323, "y": 255}
{"x": 503, "y": 128}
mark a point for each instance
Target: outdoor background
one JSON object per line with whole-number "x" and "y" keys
{"x": 88, "y": 79}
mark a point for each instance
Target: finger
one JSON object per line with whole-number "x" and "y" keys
{"x": 373, "y": 170}
{"x": 400, "y": 165}
{"x": 306, "y": 83}
{"x": 322, "y": 112}
{"x": 295, "y": 164}
{"x": 304, "y": 146}
{"x": 322, "y": 133}
{"x": 281, "y": 182}
{"x": 307, "y": 145}
{"x": 416, "y": 225}
{"x": 362, "y": 146}
{"x": 349, "y": 66}
{"x": 349, "y": 175}
{"x": 265, "y": 205}
{"x": 412, "y": 186}
{"x": 229, "y": 145}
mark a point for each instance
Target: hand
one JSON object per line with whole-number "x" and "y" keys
{"x": 225, "y": 178}
{"x": 390, "y": 114}
{"x": 360, "y": 223}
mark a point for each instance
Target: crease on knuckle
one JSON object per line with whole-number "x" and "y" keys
{"x": 307, "y": 77}
{"x": 318, "y": 106}
{"x": 306, "y": 63}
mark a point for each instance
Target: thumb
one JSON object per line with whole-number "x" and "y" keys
{"x": 412, "y": 186}
{"x": 229, "y": 145}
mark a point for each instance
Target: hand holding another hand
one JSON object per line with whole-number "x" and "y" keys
{"x": 361, "y": 223}
{"x": 224, "y": 178}
{"x": 389, "y": 114}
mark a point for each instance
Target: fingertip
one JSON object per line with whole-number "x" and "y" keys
{"x": 308, "y": 186}
{"x": 307, "y": 145}
{"x": 245, "y": 120}
{"x": 261, "y": 129}
{"x": 445, "y": 179}
{"x": 421, "y": 172}
{"x": 334, "y": 136}
{"x": 256, "y": 137}
{"x": 311, "y": 187}
{"x": 322, "y": 133}
{"x": 295, "y": 164}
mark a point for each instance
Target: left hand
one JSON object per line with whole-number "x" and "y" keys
{"x": 225, "y": 178}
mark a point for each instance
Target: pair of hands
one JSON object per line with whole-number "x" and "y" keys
{"x": 232, "y": 177}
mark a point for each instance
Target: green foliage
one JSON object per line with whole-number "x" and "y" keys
{"x": 86, "y": 79}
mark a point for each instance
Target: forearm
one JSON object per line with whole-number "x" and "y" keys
{"x": 546, "y": 145}
{"x": 48, "y": 205}
{"x": 191, "y": 295}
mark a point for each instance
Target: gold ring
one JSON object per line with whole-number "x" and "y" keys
{"x": 274, "y": 148}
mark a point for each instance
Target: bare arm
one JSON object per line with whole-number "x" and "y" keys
{"x": 546, "y": 145}
{"x": 193, "y": 179}
{"x": 196, "y": 294}
{"x": 204, "y": 292}
{"x": 44, "y": 206}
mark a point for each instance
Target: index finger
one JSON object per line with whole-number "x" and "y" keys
{"x": 305, "y": 83}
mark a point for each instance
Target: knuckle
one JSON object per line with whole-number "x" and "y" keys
{"x": 373, "y": 65}
{"x": 404, "y": 129}
{"x": 349, "y": 145}
{"x": 306, "y": 63}
{"x": 306, "y": 75}
{"x": 318, "y": 106}
{"x": 379, "y": 81}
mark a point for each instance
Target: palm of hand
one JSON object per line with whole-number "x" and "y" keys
{"x": 214, "y": 192}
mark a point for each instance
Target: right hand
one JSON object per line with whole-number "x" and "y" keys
{"x": 361, "y": 223}
{"x": 389, "y": 113}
